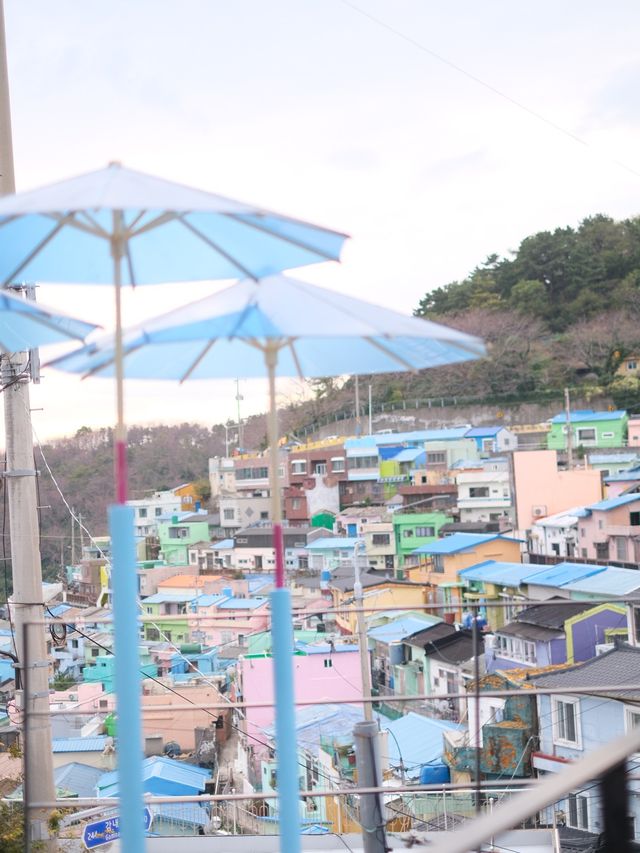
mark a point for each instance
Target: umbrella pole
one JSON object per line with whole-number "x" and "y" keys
{"x": 282, "y": 644}
{"x": 125, "y": 613}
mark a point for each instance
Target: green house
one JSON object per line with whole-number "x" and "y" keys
{"x": 411, "y": 530}
{"x": 589, "y": 429}
{"x": 178, "y": 535}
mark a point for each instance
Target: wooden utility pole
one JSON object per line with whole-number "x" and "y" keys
{"x": 20, "y": 484}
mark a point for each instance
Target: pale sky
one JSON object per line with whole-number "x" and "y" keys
{"x": 312, "y": 108}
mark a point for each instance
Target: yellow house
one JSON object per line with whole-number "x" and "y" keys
{"x": 384, "y": 593}
{"x": 188, "y": 496}
{"x": 444, "y": 558}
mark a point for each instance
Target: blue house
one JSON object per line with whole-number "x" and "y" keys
{"x": 492, "y": 439}
{"x": 571, "y": 725}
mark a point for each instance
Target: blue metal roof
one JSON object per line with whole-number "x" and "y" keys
{"x": 562, "y": 573}
{"x": 606, "y": 458}
{"x": 613, "y": 503}
{"x": 170, "y": 597}
{"x": 398, "y": 629}
{"x": 415, "y": 436}
{"x": 611, "y": 581}
{"x": 500, "y": 573}
{"x": 80, "y": 779}
{"x": 327, "y": 720}
{"x": 223, "y": 544}
{"x": 242, "y": 603}
{"x": 80, "y": 744}
{"x": 588, "y": 415}
{"x": 409, "y": 454}
{"x": 629, "y": 475}
{"x": 461, "y": 542}
{"x": 484, "y": 432}
{"x": 206, "y": 600}
{"x": 416, "y": 740}
{"x": 334, "y": 543}
{"x": 163, "y": 768}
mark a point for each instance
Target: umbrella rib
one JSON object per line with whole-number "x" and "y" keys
{"x": 44, "y": 318}
{"x": 34, "y": 252}
{"x": 135, "y": 221}
{"x": 216, "y": 248}
{"x": 206, "y": 349}
{"x": 168, "y": 216}
{"x": 390, "y": 353}
{"x": 71, "y": 220}
{"x": 294, "y": 355}
{"x": 291, "y": 240}
{"x": 127, "y": 254}
{"x": 99, "y": 230}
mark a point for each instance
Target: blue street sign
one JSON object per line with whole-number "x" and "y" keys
{"x": 105, "y": 831}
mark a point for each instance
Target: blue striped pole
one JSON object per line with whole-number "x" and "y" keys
{"x": 286, "y": 741}
{"x": 127, "y": 677}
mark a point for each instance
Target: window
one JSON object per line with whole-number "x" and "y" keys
{"x": 407, "y": 534}
{"x": 264, "y": 516}
{"x": 436, "y": 458}
{"x": 380, "y": 539}
{"x": 296, "y": 503}
{"x": 252, "y": 473}
{"x": 328, "y": 663}
{"x": 578, "y": 811}
{"x": 478, "y": 492}
{"x": 178, "y": 532}
{"x": 632, "y": 365}
{"x": 631, "y": 718}
{"x": 299, "y": 466}
{"x": 337, "y": 464}
{"x": 74, "y": 644}
{"x": 515, "y": 648}
{"x": 95, "y": 653}
{"x": 158, "y": 511}
{"x": 586, "y": 434}
{"x": 607, "y": 435}
{"x": 319, "y": 467}
{"x": 425, "y": 531}
{"x": 621, "y": 548}
{"x": 228, "y": 514}
{"x": 565, "y": 717}
{"x": 634, "y": 519}
{"x": 142, "y": 512}
{"x": 364, "y": 462}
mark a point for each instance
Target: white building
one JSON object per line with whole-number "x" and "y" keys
{"x": 556, "y": 535}
{"x": 148, "y": 511}
{"x": 484, "y": 495}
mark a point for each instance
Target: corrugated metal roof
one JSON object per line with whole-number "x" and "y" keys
{"x": 606, "y": 458}
{"x": 579, "y": 415}
{"x": 550, "y": 615}
{"x": 399, "y": 629}
{"x": 561, "y": 574}
{"x": 207, "y": 600}
{"x": 614, "y": 503}
{"x": 612, "y": 581}
{"x": 331, "y": 543}
{"x": 501, "y": 573}
{"x": 80, "y": 744}
{"x": 461, "y": 542}
{"x": 81, "y": 779}
{"x": 416, "y": 740}
{"x": 170, "y": 597}
{"x": 222, "y": 545}
{"x": 484, "y": 432}
{"x": 242, "y": 603}
{"x": 536, "y": 633}
{"x": 168, "y": 769}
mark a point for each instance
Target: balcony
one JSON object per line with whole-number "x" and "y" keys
{"x": 490, "y": 502}
{"x": 622, "y": 530}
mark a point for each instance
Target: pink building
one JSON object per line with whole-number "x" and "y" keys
{"x": 633, "y": 431}
{"x": 541, "y": 489}
{"x": 611, "y": 530}
{"x": 220, "y": 620}
{"x": 321, "y": 673}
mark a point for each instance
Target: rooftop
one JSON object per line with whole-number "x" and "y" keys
{"x": 327, "y": 543}
{"x": 548, "y": 615}
{"x": 612, "y": 581}
{"x": 459, "y": 542}
{"x": 401, "y": 628}
{"x": 618, "y": 666}
{"x": 579, "y": 415}
{"x": 454, "y": 648}
{"x": 500, "y": 573}
{"x": 415, "y": 741}
{"x": 614, "y": 503}
{"x": 181, "y": 580}
{"x": 562, "y": 573}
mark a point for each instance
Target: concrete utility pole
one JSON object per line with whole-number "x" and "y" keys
{"x": 569, "y": 433}
{"x": 370, "y": 776}
{"x": 362, "y": 635}
{"x": 20, "y": 493}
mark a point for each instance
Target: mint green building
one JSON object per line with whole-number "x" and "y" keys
{"x": 102, "y": 670}
{"x": 411, "y": 530}
{"x": 178, "y": 535}
{"x": 589, "y": 429}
